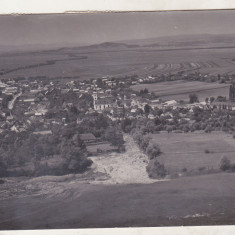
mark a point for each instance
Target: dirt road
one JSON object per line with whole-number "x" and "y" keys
{"x": 123, "y": 168}
{"x": 12, "y": 102}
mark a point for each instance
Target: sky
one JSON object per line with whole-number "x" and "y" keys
{"x": 95, "y": 28}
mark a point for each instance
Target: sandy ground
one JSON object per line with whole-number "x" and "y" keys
{"x": 123, "y": 168}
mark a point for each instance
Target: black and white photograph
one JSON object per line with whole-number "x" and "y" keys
{"x": 117, "y": 119}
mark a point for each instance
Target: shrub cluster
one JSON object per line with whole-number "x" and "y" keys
{"x": 154, "y": 168}
{"x": 226, "y": 165}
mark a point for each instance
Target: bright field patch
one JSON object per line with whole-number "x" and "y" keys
{"x": 187, "y": 150}
{"x": 180, "y": 90}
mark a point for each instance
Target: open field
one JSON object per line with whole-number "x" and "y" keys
{"x": 187, "y": 150}
{"x": 90, "y": 63}
{"x": 180, "y": 90}
{"x": 198, "y": 200}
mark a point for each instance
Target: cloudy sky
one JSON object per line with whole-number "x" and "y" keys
{"x": 102, "y": 27}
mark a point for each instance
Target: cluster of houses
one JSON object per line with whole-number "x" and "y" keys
{"x": 32, "y": 99}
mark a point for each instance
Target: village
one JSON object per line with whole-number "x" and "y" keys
{"x": 26, "y": 101}
{"x": 49, "y": 124}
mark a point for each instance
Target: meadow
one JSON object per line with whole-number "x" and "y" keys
{"x": 180, "y": 90}
{"x": 196, "y": 200}
{"x": 188, "y": 150}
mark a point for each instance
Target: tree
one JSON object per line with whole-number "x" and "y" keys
{"x": 153, "y": 150}
{"x": 144, "y": 143}
{"x": 147, "y": 109}
{"x": 3, "y": 170}
{"x": 193, "y": 98}
{"x": 146, "y": 91}
{"x": 114, "y": 137}
{"x": 155, "y": 169}
{"x": 208, "y": 129}
{"x": 126, "y": 123}
{"x": 212, "y": 99}
{"x": 150, "y": 126}
{"x": 38, "y": 152}
{"x": 225, "y": 164}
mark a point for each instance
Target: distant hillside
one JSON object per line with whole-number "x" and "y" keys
{"x": 163, "y": 42}
{"x": 183, "y": 38}
{"x": 107, "y": 45}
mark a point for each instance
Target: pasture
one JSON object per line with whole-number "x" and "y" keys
{"x": 66, "y": 203}
{"x": 180, "y": 90}
{"x": 91, "y": 63}
{"x": 187, "y": 150}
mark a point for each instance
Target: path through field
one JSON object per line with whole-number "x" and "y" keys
{"x": 123, "y": 168}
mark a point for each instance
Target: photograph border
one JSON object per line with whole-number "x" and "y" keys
{"x": 76, "y": 6}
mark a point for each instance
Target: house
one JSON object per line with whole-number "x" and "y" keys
{"x": 126, "y": 103}
{"x": 10, "y": 90}
{"x": 45, "y": 132}
{"x": 229, "y": 105}
{"x": 151, "y": 116}
{"x": 170, "y": 103}
{"x": 88, "y": 138}
{"x": 29, "y": 100}
{"x": 104, "y": 103}
{"x": 118, "y": 112}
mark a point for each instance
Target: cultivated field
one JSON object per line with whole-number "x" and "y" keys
{"x": 89, "y": 63}
{"x": 187, "y": 150}
{"x": 180, "y": 90}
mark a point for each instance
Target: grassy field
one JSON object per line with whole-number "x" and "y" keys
{"x": 180, "y": 90}
{"x": 187, "y": 150}
{"x": 91, "y": 63}
{"x": 198, "y": 200}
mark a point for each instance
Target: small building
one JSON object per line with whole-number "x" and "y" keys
{"x": 104, "y": 103}
{"x": 88, "y": 138}
{"x": 229, "y": 105}
{"x": 45, "y": 132}
{"x": 118, "y": 112}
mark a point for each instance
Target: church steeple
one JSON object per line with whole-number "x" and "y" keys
{"x": 232, "y": 92}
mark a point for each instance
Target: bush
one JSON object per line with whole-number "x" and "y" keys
{"x": 232, "y": 168}
{"x": 3, "y": 170}
{"x": 184, "y": 170}
{"x": 153, "y": 151}
{"x": 201, "y": 168}
{"x": 225, "y": 164}
{"x": 155, "y": 169}
{"x": 144, "y": 143}
{"x": 193, "y": 98}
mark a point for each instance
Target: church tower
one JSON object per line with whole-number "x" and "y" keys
{"x": 232, "y": 92}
